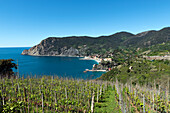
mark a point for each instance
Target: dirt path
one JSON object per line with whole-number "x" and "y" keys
{"x": 108, "y": 104}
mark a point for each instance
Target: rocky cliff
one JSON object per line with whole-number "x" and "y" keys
{"x": 83, "y": 45}
{"x": 46, "y": 48}
{"x": 37, "y": 51}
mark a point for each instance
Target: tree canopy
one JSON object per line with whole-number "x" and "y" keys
{"x": 6, "y": 66}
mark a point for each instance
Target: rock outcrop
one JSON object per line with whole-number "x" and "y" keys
{"x": 45, "y": 49}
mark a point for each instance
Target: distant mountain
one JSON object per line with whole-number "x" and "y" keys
{"x": 149, "y": 38}
{"x": 85, "y": 45}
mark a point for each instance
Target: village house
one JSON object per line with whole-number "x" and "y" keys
{"x": 107, "y": 59}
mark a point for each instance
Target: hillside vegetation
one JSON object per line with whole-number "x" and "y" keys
{"x": 131, "y": 65}
{"x": 85, "y": 45}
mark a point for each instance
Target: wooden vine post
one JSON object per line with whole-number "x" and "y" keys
{"x": 153, "y": 94}
{"x": 42, "y": 102}
{"x": 167, "y": 95}
{"x": 97, "y": 94}
{"x": 143, "y": 103}
{"x": 92, "y": 103}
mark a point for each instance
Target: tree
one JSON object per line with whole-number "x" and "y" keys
{"x": 6, "y": 67}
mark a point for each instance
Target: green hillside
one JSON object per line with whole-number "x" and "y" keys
{"x": 100, "y": 45}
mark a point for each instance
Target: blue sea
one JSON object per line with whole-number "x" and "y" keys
{"x": 71, "y": 67}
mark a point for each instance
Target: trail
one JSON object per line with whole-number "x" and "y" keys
{"x": 108, "y": 104}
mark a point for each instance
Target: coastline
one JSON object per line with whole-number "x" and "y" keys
{"x": 80, "y": 57}
{"x": 55, "y": 55}
{"x": 89, "y": 58}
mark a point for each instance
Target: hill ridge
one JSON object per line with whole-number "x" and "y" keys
{"x": 86, "y": 45}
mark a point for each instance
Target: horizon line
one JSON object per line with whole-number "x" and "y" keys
{"x": 13, "y": 46}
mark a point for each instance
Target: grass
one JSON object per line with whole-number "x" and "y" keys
{"x": 108, "y": 103}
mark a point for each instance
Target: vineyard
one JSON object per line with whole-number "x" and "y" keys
{"x": 53, "y": 94}
{"x": 143, "y": 99}
{"x": 49, "y": 94}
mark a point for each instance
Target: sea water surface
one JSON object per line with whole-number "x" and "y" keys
{"x": 49, "y": 65}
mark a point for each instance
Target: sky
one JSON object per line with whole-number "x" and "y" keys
{"x": 24, "y": 23}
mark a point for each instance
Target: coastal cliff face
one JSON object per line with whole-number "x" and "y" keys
{"x": 83, "y": 45}
{"x": 39, "y": 51}
{"x": 46, "y": 48}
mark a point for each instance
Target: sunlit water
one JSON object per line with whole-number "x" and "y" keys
{"x": 49, "y": 65}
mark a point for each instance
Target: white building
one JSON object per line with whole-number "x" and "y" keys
{"x": 107, "y": 59}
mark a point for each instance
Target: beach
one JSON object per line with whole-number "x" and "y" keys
{"x": 98, "y": 60}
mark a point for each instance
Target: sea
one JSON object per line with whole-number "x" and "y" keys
{"x": 37, "y": 66}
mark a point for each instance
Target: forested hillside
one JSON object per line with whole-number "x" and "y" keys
{"x": 84, "y": 45}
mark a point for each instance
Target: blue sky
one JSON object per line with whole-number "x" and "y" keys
{"x": 24, "y": 23}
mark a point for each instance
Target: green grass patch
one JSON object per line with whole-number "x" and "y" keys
{"x": 108, "y": 103}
